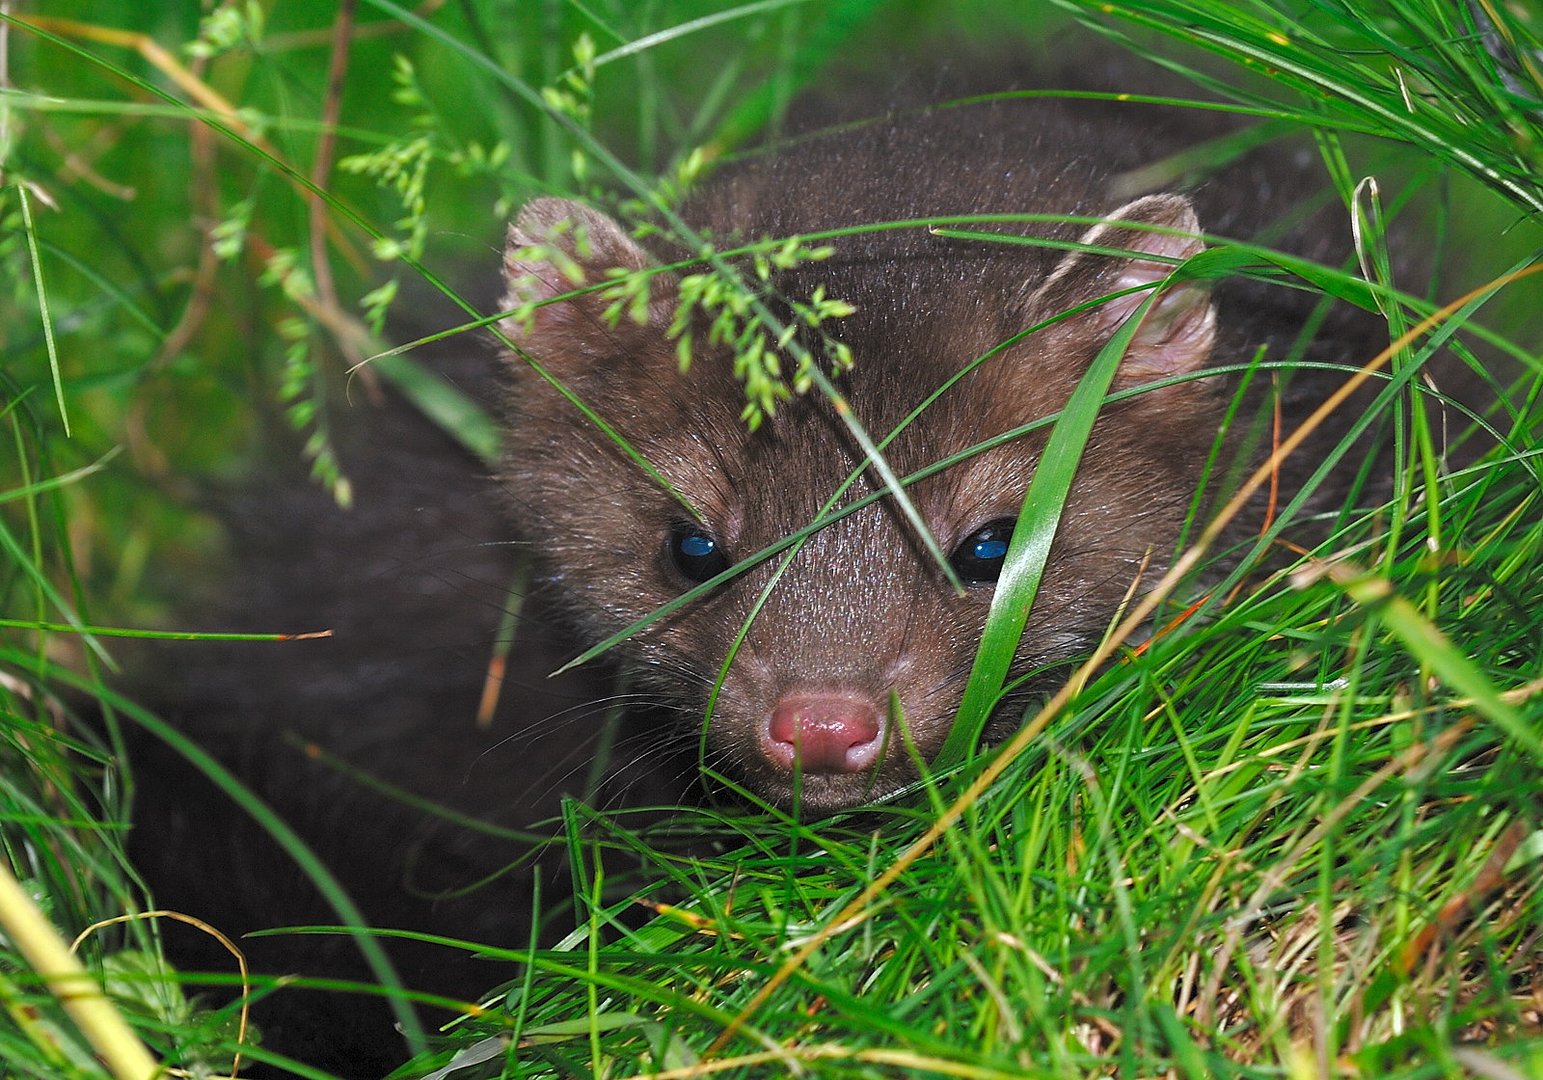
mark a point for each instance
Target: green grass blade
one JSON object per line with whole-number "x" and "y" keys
{"x": 1427, "y": 644}
{"x": 452, "y": 409}
{"x": 1032, "y": 537}
{"x": 294, "y": 846}
{"x": 42, "y": 296}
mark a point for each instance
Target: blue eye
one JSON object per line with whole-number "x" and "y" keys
{"x": 697, "y": 546}
{"x": 695, "y": 552}
{"x": 987, "y": 550}
{"x": 978, "y": 558}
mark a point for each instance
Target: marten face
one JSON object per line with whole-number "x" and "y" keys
{"x": 840, "y": 649}
{"x": 814, "y": 668}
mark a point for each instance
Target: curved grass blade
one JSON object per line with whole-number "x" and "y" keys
{"x": 1040, "y": 515}
{"x": 1032, "y": 535}
{"x": 1437, "y": 652}
{"x": 354, "y": 923}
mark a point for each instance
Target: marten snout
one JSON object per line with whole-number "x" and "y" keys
{"x": 823, "y": 732}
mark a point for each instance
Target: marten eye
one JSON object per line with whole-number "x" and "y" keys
{"x": 695, "y": 552}
{"x": 978, "y": 559}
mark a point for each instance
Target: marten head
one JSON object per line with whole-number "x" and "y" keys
{"x": 636, "y": 481}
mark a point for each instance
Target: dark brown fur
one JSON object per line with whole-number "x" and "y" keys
{"x": 412, "y": 582}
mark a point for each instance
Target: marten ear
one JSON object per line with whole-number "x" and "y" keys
{"x": 557, "y": 246}
{"x": 1179, "y": 329}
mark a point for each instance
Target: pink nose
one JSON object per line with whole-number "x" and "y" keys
{"x": 824, "y": 732}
